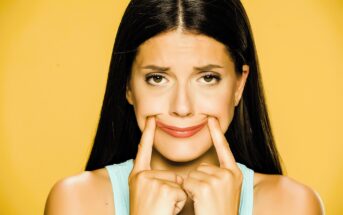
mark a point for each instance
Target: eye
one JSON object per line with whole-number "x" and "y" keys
{"x": 211, "y": 78}
{"x": 154, "y": 79}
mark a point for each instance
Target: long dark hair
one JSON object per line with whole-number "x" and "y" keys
{"x": 249, "y": 134}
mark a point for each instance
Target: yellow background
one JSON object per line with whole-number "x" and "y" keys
{"x": 54, "y": 56}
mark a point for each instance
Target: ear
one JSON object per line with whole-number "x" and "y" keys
{"x": 129, "y": 94}
{"x": 241, "y": 83}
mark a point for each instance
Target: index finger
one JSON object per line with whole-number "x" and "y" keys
{"x": 143, "y": 157}
{"x": 225, "y": 156}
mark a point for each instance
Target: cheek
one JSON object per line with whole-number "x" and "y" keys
{"x": 217, "y": 104}
{"x": 147, "y": 106}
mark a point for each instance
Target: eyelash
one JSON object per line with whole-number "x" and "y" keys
{"x": 151, "y": 76}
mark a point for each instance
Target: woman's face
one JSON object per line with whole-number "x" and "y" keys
{"x": 181, "y": 79}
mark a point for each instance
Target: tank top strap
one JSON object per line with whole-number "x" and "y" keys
{"x": 247, "y": 190}
{"x": 119, "y": 174}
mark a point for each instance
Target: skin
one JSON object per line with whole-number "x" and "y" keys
{"x": 184, "y": 97}
{"x": 212, "y": 189}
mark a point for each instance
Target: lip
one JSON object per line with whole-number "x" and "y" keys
{"x": 180, "y": 132}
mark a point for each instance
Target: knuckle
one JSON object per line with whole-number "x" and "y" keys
{"x": 234, "y": 175}
{"x": 191, "y": 173}
{"x": 239, "y": 176}
{"x": 205, "y": 188}
{"x": 228, "y": 174}
{"x": 164, "y": 189}
{"x": 154, "y": 184}
{"x": 141, "y": 176}
{"x": 239, "y": 173}
{"x": 215, "y": 181}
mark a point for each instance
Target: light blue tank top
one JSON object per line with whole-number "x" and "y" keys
{"x": 119, "y": 174}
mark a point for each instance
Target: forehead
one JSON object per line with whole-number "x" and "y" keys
{"x": 182, "y": 47}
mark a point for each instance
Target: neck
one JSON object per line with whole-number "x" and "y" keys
{"x": 159, "y": 162}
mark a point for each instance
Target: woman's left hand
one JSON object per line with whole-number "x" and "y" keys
{"x": 213, "y": 189}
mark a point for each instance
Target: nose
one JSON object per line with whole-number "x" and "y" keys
{"x": 181, "y": 103}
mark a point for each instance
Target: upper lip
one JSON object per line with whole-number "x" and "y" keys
{"x": 161, "y": 124}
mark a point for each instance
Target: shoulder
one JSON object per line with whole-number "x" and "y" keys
{"x": 285, "y": 195}
{"x": 85, "y": 193}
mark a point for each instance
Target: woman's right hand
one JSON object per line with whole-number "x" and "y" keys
{"x": 153, "y": 192}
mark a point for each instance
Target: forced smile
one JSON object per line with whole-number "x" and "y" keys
{"x": 180, "y": 132}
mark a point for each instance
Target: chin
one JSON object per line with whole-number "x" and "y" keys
{"x": 182, "y": 149}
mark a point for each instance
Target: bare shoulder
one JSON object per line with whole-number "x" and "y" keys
{"x": 89, "y": 192}
{"x": 283, "y": 195}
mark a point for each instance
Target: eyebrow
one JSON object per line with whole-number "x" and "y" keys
{"x": 201, "y": 68}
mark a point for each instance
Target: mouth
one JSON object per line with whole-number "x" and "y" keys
{"x": 180, "y": 132}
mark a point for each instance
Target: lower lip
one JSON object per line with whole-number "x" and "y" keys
{"x": 181, "y": 134}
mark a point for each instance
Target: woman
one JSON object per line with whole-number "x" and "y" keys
{"x": 184, "y": 127}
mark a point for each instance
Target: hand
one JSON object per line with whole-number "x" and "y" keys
{"x": 153, "y": 192}
{"x": 216, "y": 190}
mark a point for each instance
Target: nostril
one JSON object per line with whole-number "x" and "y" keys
{"x": 181, "y": 114}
